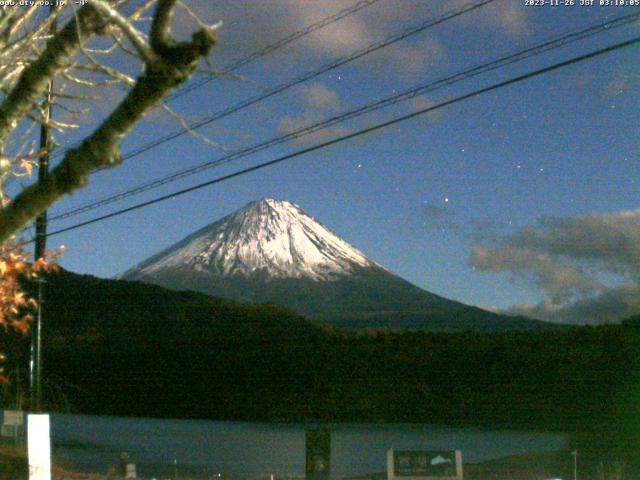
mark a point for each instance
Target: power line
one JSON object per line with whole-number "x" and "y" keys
{"x": 402, "y": 96}
{"x": 308, "y": 76}
{"x": 359, "y": 133}
{"x": 311, "y": 75}
{"x": 277, "y": 45}
{"x": 268, "y": 49}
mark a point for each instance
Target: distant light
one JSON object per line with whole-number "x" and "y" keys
{"x": 446, "y": 199}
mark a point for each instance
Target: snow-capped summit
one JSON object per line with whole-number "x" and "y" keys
{"x": 272, "y": 251}
{"x": 270, "y": 238}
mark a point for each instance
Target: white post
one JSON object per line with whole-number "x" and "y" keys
{"x": 39, "y": 447}
{"x": 459, "y": 473}
{"x": 390, "y": 472}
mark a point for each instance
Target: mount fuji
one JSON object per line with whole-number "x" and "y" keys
{"x": 272, "y": 251}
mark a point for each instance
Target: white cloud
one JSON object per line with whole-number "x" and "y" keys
{"x": 559, "y": 280}
{"x": 423, "y": 102}
{"x": 622, "y": 84}
{"x": 416, "y": 57}
{"x": 609, "y": 306}
{"x": 318, "y": 96}
{"x": 319, "y": 103}
{"x": 489, "y": 308}
{"x": 249, "y": 26}
{"x": 567, "y": 259}
{"x": 510, "y": 16}
{"x": 289, "y": 124}
{"x": 339, "y": 38}
{"x": 610, "y": 241}
{"x": 507, "y": 16}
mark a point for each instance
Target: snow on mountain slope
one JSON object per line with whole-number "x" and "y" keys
{"x": 268, "y": 236}
{"x": 272, "y": 251}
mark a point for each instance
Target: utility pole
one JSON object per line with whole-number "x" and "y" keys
{"x": 46, "y": 144}
{"x": 575, "y": 464}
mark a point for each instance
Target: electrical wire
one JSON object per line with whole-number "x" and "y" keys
{"x": 264, "y": 51}
{"x": 276, "y": 46}
{"x": 392, "y": 39}
{"x": 385, "y": 102}
{"x": 359, "y": 133}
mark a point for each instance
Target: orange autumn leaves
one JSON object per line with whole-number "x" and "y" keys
{"x": 18, "y": 166}
{"x": 16, "y": 306}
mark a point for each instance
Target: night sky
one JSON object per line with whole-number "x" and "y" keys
{"x": 524, "y": 199}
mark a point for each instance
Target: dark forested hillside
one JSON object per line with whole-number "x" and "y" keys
{"x": 132, "y": 349}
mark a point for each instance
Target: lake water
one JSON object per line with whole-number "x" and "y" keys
{"x": 200, "y": 449}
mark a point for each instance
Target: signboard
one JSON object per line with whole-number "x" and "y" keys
{"x": 12, "y": 425}
{"x": 39, "y": 447}
{"x": 424, "y": 464}
{"x": 9, "y": 431}
{"x": 13, "y": 417}
{"x": 318, "y": 454}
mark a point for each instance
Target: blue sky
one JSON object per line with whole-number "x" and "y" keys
{"x": 458, "y": 201}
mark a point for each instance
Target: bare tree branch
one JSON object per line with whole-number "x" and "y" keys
{"x": 34, "y": 78}
{"x": 134, "y": 36}
{"x": 190, "y": 131}
{"x": 174, "y": 62}
{"x": 161, "y": 24}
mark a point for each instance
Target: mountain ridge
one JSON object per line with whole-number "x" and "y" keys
{"x": 271, "y": 235}
{"x": 273, "y": 251}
